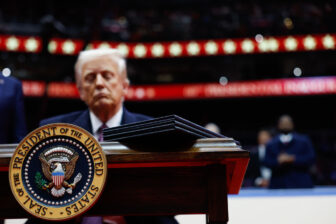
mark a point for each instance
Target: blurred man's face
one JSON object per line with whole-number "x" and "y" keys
{"x": 285, "y": 124}
{"x": 263, "y": 137}
{"x": 102, "y": 87}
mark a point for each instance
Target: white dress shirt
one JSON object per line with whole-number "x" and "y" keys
{"x": 286, "y": 138}
{"x": 265, "y": 172}
{"x": 113, "y": 122}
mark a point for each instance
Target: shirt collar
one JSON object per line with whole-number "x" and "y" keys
{"x": 286, "y": 138}
{"x": 113, "y": 122}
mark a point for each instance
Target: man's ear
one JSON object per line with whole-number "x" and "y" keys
{"x": 126, "y": 84}
{"x": 81, "y": 93}
{"x": 79, "y": 87}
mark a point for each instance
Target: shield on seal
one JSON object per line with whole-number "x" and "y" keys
{"x": 58, "y": 176}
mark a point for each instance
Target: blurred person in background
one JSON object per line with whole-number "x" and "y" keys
{"x": 102, "y": 81}
{"x": 13, "y": 122}
{"x": 290, "y": 156}
{"x": 257, "y": 174}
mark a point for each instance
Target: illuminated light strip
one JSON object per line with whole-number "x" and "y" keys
{"x": 157, "y": 50}
{"x": 228, "y": 46}
{"x": 32, "y": 44}
{"x": 211, "y": 47}
{"x": 177, "y": 48}
{"x": 65, "y": 46}
{"x": 328, "y": 42}
{"x": 193, "y": 48}
{"x": 20, "y": 44}
{"x": 276, "y": 87}
{"x": 247, "y": 46}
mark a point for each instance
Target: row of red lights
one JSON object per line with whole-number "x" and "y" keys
{"x": 177, "y": 48}
{"x": 277, "y": 87}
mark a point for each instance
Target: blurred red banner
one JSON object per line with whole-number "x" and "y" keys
{"x": 275, "y": 87}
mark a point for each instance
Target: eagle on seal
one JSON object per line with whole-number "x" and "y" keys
{"x": 58, "y": 170}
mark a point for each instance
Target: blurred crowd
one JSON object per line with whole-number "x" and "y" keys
{"x": 284, "y": 158}
{"x": 174, "y": 20}
{"x": 233, "y": 19}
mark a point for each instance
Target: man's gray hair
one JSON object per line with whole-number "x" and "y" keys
{"x": 88, "y": 55}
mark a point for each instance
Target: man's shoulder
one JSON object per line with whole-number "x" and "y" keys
{"x": 12, "y": 81}
{"x": 63, "y": 118}
{"x": 141, "y": 117}
{"x": 12, "y": 86}
{"x": 301, "y": 137}
{"x": 131, "y": 117}
{"x": 274, "y": 141}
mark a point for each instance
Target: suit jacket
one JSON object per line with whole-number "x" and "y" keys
{"x": 294, "y": 175}
{"x": 82, "y": 119}
{"x": 12, "y": 118}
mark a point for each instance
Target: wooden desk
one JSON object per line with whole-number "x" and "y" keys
{"x": 193, "y": 181}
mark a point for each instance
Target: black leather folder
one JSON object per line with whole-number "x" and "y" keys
{"x": 163, "y": 133}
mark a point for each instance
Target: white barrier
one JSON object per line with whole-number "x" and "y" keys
{"x": 301, "y": 206}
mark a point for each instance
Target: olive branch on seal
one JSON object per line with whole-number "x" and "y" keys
{"x": 39, "y": 180}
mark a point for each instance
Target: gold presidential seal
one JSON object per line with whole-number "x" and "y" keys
{"x": 57, "y": 172}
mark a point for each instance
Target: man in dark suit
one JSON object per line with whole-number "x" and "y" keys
{"x": 12, "y": 118}
{"x": 290, "y": 156}
{"x": 102, "y": 82}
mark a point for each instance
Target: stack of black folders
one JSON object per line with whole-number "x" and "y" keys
{"x": 164, "y": 133}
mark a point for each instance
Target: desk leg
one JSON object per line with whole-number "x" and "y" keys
{"x": 217, "y": 195}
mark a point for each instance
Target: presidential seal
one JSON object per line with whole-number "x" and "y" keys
{"x": 57, "y": 172}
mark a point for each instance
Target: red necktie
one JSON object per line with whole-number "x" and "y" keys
{"x": 100, "y": 132}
